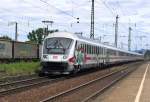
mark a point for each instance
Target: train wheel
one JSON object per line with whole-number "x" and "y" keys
{"x": 41, "y": 74}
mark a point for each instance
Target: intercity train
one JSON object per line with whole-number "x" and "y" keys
{"x": 66, "y": 53}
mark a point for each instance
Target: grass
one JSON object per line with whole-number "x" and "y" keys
{"x": 20, "y": 68}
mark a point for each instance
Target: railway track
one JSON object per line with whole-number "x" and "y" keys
{"x": 7, "y": 79}
{"x": 22, "y": 84}
{"x": 94, "y": 87}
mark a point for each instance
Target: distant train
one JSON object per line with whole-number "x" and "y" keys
{"x": 65, "y": 53}
{"x": 12, "y": 50}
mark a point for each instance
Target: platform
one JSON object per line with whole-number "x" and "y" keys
{"x": 133, "y": 88}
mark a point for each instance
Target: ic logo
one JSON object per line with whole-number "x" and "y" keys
{"x": 55, "y": 57}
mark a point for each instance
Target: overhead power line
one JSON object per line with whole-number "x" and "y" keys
{"x": 109, "y": 9}
{"x": 64, "y": 12}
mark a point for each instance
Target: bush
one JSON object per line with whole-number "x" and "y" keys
{"x": 19, "y": 68}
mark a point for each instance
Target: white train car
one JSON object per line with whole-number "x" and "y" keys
{"x": 64, "y": 53}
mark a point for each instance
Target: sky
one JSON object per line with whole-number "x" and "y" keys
{"x": 29, "y": 15}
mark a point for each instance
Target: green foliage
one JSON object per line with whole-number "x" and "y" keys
{"x": 37, "y": 36}
{"x": 20, "y": 68}
{"x": 5, "y": 37}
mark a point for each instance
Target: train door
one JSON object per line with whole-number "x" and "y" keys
{"x": 79, "y": 54}
{"x": 103, "y": 55}
{"x": 107, "y": 56}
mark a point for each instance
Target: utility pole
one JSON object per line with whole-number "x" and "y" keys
{"x": 92, "y": 21}
{"x": 141, "y": 38}
{"x": 129, "y": 39}
{"x": 16, "y": 31}
{"x": 100, "y": 39}
{"x": 116, "y": 31}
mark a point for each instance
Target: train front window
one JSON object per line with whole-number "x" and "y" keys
{"x": 58, "y": 45}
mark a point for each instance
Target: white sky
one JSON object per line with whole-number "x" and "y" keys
{"x": 30, "y": 13}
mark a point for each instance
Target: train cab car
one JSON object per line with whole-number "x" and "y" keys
{"x": 57, "y": 52}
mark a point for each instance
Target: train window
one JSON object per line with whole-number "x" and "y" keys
{"x": 122, "y": 54}
{"x": 85, "y": 48}
{"x": 119, "y": 53}
{"x": 80, "y": 46}
{"x": 114, "y": 52}
{"x": 88, "y": 49}
{"x": 94, "y": 49}
{"x": 110, "y": 52}
{"x": 91, "y": 49}
{"x": 101, "y": 51}
{"x": 98, "y": 49}
{"x": 57, "y": 45}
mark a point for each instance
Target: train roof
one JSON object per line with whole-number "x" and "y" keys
{"x": 87, "y": 40}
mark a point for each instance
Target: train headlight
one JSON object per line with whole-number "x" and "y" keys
{"x": 45, "y": 56}
{"x": 64, "y": 57}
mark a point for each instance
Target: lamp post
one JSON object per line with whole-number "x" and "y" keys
{"x": 47, "y": 22}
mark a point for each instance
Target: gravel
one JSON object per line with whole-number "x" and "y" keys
{"x": 40, "y": 93}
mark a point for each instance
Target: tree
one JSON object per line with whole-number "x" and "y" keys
{"x": 37, "y": 36}
{"x": 5, "y": 37}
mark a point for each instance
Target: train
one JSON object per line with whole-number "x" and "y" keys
{"x": 66, "y": 53}
{"x": 14, "y": 50}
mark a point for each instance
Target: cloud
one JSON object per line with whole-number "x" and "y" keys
{"x": 30, "y": 13}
